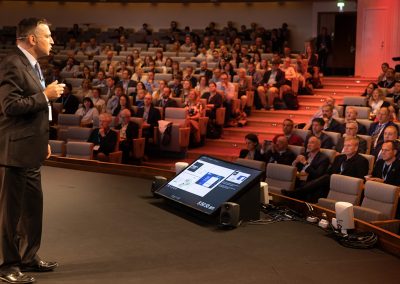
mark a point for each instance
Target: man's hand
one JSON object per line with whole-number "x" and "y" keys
{"x": 48, "y": 151}
{"x": 54, "y": 90}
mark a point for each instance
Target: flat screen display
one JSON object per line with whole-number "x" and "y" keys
{"x": 208, "y": 182}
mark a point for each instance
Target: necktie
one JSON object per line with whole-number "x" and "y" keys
{"x": 385, "y": 170}
{"x": 39, "y": 73}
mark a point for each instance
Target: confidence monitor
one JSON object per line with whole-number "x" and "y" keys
{"x": 208, "y": 182}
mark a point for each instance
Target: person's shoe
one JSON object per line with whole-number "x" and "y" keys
{"x": 16, "y": 278}
{"x": 41, "y": 266}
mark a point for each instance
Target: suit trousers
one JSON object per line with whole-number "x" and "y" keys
{"x": 21, "y": 214}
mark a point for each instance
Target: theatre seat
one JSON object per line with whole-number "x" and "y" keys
{"x": 371, "y": 161}
{"x": 80, "y": 150}
{"x": 354, "y": 101}
{"x": 379, "y": 205}
{"x": 280, "y": 177}
{"x": 342, "y": 188}
{"x": 258, "y": 165}
{"x": 57, "y": 148}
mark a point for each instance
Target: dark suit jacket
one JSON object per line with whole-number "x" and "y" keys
{"x": 132, "y": 130}
{"x": 326, "y": 141}
{"x": 375, "y": 125}
{"x": 106, "y": 143}
{"x": 257, "y": 155}
{"x": 280, "y": 78}
{"x": 168, "y": 103}
{"x": 362, "y": 145}
{"x": 24, "y": 115}
{"x": 362, "y": 130}
{"x": 285, "y": 158}
{"x": 153, "y": 117}
{"x": 317, "y": 168}
{"x": 357, "y": 166}
{"x": 207, "y": 73}
{"x": 335, "y": 126}
{"x": 393, "y": 176}
{"x": 70, "y": 103}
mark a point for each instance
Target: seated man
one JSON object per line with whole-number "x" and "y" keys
{"x": 279, "y": 152}
{"x": 272, "y": 81}
{"x": 329, "y": 101}
{"x": 150, "y": 115}
{"x": 352, "y": 115}
{"x": 387, "y": 169}
{"x": 316, "y": 130}
{"x": 314, "y": 163}
{"x": 103, "y": 138}
{"x": 350, "y": 163}
{"x": 376, "y": 129}
{"x": 389, "y": 134}
{"x": 331, "y": 124}
{"x": 128, "y": 130}
{"x": 166, "y": 100}
{"x": 351, "y": 131}
{"x": 293, "y": 139}
{"x": 227, "y": 90}
{"x": 69, "y": 101}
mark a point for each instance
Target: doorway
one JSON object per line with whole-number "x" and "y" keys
{"x": 342, "y": 27}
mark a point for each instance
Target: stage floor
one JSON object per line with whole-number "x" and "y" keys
{"x": 108, "y": 229}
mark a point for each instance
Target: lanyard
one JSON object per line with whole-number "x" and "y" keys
{"x": 387, "y": 172}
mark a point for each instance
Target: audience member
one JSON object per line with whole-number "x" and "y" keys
{"x": 376, "y": 129}
{"x": 351, "y": 131}
{"x": 88, "y": 112}
{"x": 279, "y": 152}
{"x": 252, "y": 151}
{"x": 128, "y": 130}
{"x": 390, "y": 133}
{"x": 98, "y": 102}
{"x": 316, "y": 131}
{"x": 352, "y": 115}
{"x": 331, "y": 124}
{"x": 150, "y": 116}
{"x": 69, "y": 101}
{"x": 287, "y": 128}
{"x": 104, "y": 138}
{"x": 350, "y": 163}
{"x": 387, "y": 169}
{"x": 270, "y": 85}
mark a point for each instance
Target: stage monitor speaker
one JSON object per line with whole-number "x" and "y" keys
{"x": 230, "y": 214}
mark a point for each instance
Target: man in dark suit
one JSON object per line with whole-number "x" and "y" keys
{"x": 387, "y": 169}
{"x": 316, "y": 130}
{"x": 104, "y": 138}
{"x": 351, "y": 131}
{"x": 69, "y": 102}
{"x": 376, "y": 129}
{"x": 150, "y": 115}
{"x": 331, "y": 124}
{"x": 279, "y": 152}
{"x": 166, "y": 100}
{"x": 389, "y": 134}
{"x": 126, "y": 83}
{"x": 24, "y": 122}
{"x": 352, "y": 115}
{"x": 314, "y": 163}
{"x": 204, "y": 71}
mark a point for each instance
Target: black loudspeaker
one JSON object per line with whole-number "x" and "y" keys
{"x": 158, "y": 181}
{"x": 230, "y": 215}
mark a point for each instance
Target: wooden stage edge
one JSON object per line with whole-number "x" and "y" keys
{"x": 387, "y": 241}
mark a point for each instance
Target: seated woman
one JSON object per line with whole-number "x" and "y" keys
{"x": 314, "y": 81}
{"x": 128, "y": 130}
{"x": 88, "y": 112}
{"x": 202, "y": 86}
{"x": 85, "y": 90}
{"x": 194, "y": 109}
{"x": 243, "y": 86}
{"x": 104, "y": 138}
{"x": 98, "y": 102}
{"x": 369, "y": 89}
{"x": 252, "y": 151}
{"x": 124, "y": 103}
{"x": 86, "y": 73}
{"x": 377, "y": 101}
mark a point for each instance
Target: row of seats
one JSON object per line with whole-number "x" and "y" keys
{"x": 373, "y": 202}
